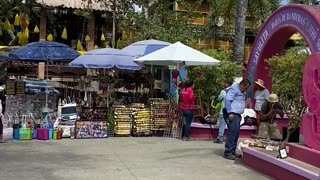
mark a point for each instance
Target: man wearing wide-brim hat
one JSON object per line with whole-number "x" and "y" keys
{"x": 261, "y": 94}
{"x": 268, "y": 126}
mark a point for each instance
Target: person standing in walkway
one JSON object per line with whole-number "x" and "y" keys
{"x": 222, "y": 122}
{"x": 234, "y": 107}
{"x": 187, "y": 107}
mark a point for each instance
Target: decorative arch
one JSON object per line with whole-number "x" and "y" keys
{"x": 273, "y": 36}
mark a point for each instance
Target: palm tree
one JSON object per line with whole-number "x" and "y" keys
{"x": 240, "y": 31}
{"x": 235, "y": 14}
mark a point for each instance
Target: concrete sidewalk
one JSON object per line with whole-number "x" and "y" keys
{"x": 149, "y": 158}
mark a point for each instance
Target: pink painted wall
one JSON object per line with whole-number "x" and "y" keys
{"x": 271, "y": 40}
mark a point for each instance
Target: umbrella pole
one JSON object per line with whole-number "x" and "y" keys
{"x": 47, "y": 84}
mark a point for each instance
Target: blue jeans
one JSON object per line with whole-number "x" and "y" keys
{"x": 188, "y": 116}
{"x": 222, "y": 127}
{"x": 232, "y": 135}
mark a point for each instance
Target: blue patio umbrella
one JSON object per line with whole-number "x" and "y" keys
{"x": 143, "y": 48}
{"x": 44, "y": 51}
{"x": 106, "y": 58}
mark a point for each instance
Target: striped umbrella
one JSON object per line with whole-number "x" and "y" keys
{"x": 5, "y": 50}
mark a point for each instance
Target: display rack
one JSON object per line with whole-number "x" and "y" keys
{"x": 123, "y": 120}
{"x": 174, "y": 123}
{"x": 141, "y": 120}
{"x": 159, "y": 115}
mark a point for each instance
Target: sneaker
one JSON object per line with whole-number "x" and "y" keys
{"x": 219, "y": 141}
{"x": 185, "y": 139}
{"x": 238, "y": 156}
{"x": 230, "y": 157}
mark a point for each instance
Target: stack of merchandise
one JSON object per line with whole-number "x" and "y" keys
{"x": 141, "y": 120}
{"x": 123, "y": 120}
{"x": 159, "y": 114}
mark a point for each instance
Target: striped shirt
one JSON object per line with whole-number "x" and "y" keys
{"x": 235, "y": 100}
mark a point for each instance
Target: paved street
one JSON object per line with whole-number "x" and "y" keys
{"x": 119, "y": 159}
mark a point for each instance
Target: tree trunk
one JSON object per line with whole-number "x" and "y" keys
{"x": 240, "y": 31}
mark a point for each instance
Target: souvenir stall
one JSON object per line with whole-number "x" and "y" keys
{"x": 123, "y": 120}
{"x": 41, "y": 101}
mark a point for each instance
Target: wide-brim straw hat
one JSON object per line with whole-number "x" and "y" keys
{"x": 273, "y": 98}
{"x": 260, "y": 83}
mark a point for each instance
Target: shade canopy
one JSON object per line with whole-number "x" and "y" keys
{"x": 106, "y": 58}
{"x": 142, "y": 48}
{"x": 44, "y": 51}
{"x": 175, "y": 54}
{"x": 6, "y": 50}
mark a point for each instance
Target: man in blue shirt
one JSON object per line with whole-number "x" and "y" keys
{"x": 234, "y": 107}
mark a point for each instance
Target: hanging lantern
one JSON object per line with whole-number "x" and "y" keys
{"x": 19, "y": 34}
{"x": 16, "y": 20}
{"x": 64, "y": 34}
{"x": 181, "y": 85}
{"x": 23, "y": 21}
{"x": 27, "y": 20}
{"x": 26, "y": 33}
{"x": 96, "y": 47}
{"x": 7, "y": 25}
{"x": 36, "y": 29}
{"x": 87, "y": 39}
{"x": 102, "y": 37}
{"x": 175, "y": 74}
{"x": 50, "y": 37}
{"x": 129, "y": 87}
{"x": 79, "y": 46}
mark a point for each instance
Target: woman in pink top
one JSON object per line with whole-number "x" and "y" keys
{"x": 187, "y": 107}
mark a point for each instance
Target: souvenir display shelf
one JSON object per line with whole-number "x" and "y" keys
{"x": 87, "y": 129}
{"x": 159, "y": 114}
{"x": 141, "y": 120}
{"x": 123, "y": 120}
{"x": 95, "y": 113}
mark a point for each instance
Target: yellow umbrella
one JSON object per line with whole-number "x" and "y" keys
{"x": 7, "y": 25}
{"x": 96, "y": 47}
{"x": 79, "y": 46}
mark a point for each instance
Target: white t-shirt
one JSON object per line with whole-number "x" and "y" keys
{"x": 260, "y": 97}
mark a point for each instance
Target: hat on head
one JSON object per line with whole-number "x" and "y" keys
{"x": 273, "y": 98}
{"x": 260, "y": 83}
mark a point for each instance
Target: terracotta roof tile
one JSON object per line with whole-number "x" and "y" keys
{"x": 75, "y": 4}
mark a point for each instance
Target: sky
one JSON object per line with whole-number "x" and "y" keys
{"x": 283, "y": 2}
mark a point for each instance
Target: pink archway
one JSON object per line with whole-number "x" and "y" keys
{"x": 276, "y": 31}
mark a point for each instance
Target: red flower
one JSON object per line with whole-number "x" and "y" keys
{"x": 199, "y": 74}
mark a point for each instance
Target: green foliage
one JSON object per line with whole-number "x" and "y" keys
{"x": 161, "y": 23}
{"x": 211, "y": 83}
{"x": 286, "y": 73}
{"x": 258, "y": 12}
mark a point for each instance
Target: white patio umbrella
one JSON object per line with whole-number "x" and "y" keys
{"x": 177, "y": 54}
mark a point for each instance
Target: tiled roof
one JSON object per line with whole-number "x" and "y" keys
{"x": 76, "y": 4}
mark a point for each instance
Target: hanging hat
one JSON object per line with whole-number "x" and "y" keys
{"x": 260, "y": 83}
{"x": 273, "y": 98}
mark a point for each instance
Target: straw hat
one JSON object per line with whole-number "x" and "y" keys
{"x": 273, "y": 98}
{"x": 260, "y": 83}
